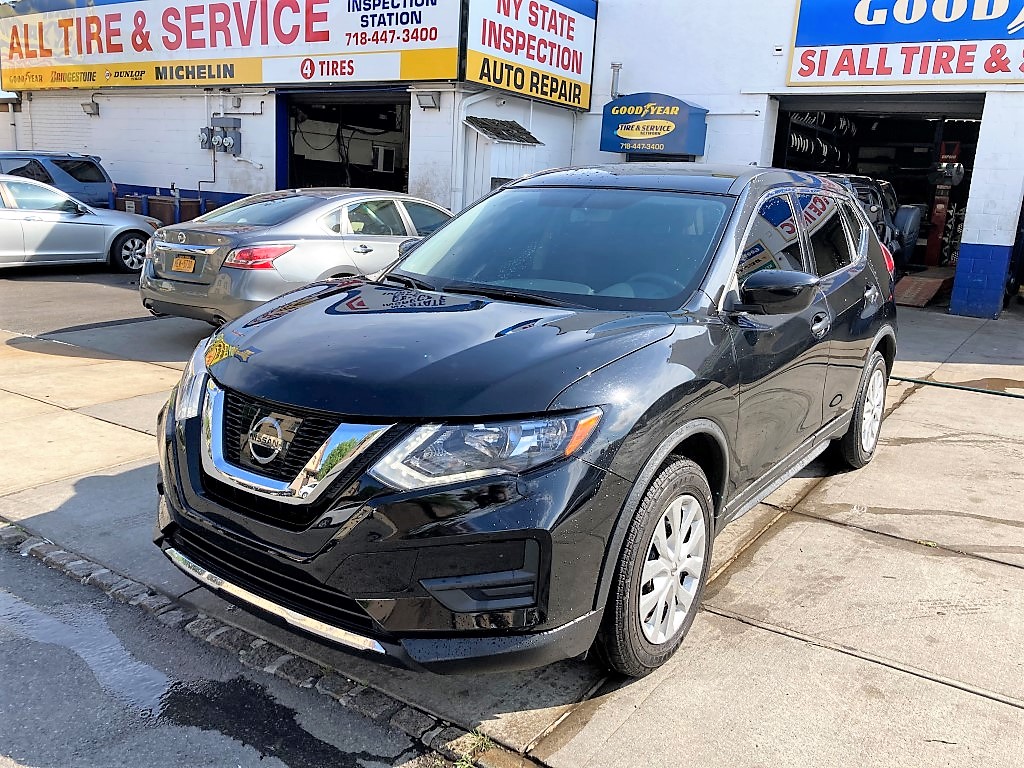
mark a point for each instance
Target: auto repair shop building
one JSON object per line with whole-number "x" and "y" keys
{"x": 449, "y": 98}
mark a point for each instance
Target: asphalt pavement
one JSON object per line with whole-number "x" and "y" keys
{"x": 867, "y": 618}
{"x": 87, "y": 682}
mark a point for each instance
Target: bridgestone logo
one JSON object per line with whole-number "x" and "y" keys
{"x": 72, "y": 77}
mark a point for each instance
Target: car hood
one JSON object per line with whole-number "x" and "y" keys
{"x": 112, "y": 218}
{"x": 379, "y": 352}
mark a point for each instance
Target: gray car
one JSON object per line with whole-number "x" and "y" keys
{"x": 229, "y": 261}
{"x": 42, "y": 225}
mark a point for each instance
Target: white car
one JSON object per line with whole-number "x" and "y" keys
{"x": 42, "y": 225}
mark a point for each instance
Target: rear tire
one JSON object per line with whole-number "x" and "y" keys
{"x": 857, "y": 447}
{"x": 128, "y": 252}
{"x": 661, "y": 573}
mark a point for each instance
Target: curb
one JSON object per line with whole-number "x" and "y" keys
{"x": 450, "y": 742}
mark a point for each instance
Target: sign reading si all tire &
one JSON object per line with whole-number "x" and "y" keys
{"x": 899, "y": 42}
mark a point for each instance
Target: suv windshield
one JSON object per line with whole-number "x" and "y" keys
{"x": 262, "y": 211}
{"x": 599, "y": 248}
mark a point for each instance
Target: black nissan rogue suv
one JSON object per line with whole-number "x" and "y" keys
{"x": 518, "y": 443}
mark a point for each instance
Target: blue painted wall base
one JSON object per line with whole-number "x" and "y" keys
{"x": 980, "y": 280}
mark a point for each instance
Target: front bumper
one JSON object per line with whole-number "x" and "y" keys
{"x": 386, "y": 576}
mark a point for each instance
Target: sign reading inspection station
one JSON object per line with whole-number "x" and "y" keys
{"x": 104, "y": 43}
{"x": 542, "y": 49}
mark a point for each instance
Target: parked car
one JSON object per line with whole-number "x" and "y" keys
{"x": 519, "y": 443}
{"x": 898, "y": 226}
{"x": 42, "y": 225}
{"x": 80, "y": 176}
{"x": 223, "y": 264}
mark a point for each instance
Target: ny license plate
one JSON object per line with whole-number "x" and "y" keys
{"x": 183, "y": 264}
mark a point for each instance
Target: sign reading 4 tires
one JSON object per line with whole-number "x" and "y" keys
{"x": 93, "y": 43}
{"x": 908, "y": 41}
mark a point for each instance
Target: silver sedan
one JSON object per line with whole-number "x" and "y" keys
{"x": 39, "y": 224}
{"x": 231, "y": 260}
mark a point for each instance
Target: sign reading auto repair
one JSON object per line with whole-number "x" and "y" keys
{"x": 538, "y": 48}
{"x": 103, "y": 43}
{"x": 895, "y": 42}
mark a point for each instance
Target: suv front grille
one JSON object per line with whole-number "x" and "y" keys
{"x": 305, "y": 432}
{"x": 287, "y": 586}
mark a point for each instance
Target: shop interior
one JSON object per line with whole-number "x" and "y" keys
{"x": 349, "y": 139}
{"x": 924, "y": 146}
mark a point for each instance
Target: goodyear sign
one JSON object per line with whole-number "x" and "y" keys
{"x": 542, "y": 49}
{"x": 897, "y": 42}
{"x": 104, "y": 43}
{"x": 653, "y": 124}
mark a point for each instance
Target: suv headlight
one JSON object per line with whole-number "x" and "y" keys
{"x": 190, "y": 388}
{"x": 438, "y": 454}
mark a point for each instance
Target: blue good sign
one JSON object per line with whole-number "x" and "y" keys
{"x": 653, "y": 124}
{"x": 885, "y": 42}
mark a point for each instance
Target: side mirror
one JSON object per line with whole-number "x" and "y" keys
{"x": 777, "y": 292}
{"x": 407, "y": 245}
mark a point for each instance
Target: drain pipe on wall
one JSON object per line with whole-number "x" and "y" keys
{"x": 459, "y": 164}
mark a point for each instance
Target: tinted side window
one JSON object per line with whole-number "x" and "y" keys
{"x": 774, "y": 240}
{"x": 425, "y": 218}
{"x": 35, "y": 198}
{"x": 85, "y": 171}
{"x": 26, "y": 168}
{"x": 829, "y": 243}
{"x": 375, "y": 217}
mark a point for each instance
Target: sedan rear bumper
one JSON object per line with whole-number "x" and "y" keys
{"x": 232, "y": 294}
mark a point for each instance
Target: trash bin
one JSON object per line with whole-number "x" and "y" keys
{"x": 129, "y": 203}
{"x": 188, "y": 208}
{"x": 162, "y": 207}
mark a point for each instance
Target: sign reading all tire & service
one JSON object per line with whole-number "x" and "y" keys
{"x": 104, "y": 43}
{"x": 898, "y": 42}
{"x": 543, "y": 49}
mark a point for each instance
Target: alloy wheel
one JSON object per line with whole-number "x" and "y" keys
{"x": 672, "y": 570}
{"x": 874, "y": 407}
{"x": 133, "y": 252}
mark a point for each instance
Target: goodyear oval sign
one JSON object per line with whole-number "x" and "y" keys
{"x": 653, "y": 124}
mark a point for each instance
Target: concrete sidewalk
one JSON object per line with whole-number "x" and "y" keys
{"x": 879, "y": 616}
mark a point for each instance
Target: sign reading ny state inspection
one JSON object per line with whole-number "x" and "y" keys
{"x": 895, "y": 42}
{"x": 538, "y": 48}
{"x": 103, "y": 43}
{"x": 653, "y": 124}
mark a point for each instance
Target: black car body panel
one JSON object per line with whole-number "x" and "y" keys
{"x": 512, "y": 570}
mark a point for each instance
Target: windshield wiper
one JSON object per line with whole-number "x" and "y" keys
{"x": 409, "y": 282}
{"x": 501, "y": 292}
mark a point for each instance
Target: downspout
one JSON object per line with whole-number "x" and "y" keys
{"x": 459, "y": 164}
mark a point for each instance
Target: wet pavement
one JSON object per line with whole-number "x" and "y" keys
{"x": 87, "y": 682}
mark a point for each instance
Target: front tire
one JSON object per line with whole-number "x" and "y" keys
{"x": 857, "y": 447}
{"x": 128, "y": 252}
{"x": 661, "y": 573}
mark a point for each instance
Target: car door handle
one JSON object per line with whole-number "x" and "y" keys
{"x": 820, "y": 325}
{"x": 362, "y": 249}
{"x": 33, "y": 218}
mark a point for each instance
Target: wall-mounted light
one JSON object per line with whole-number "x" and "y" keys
{"x": 428, "y": 99}
{"x": 91, "y": 108}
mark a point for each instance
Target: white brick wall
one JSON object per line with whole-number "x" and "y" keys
{"x": 998, "y": 183}
{"x": 151, "y": 138}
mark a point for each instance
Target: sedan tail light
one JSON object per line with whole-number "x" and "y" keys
{"x": 890, "y": 264}
{"x": 260, "y": 257}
